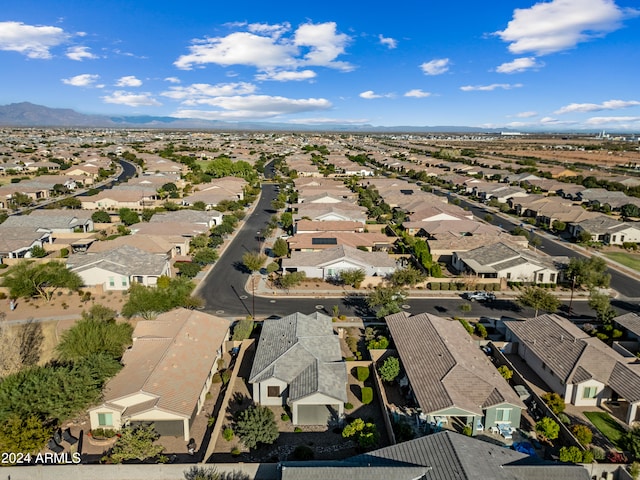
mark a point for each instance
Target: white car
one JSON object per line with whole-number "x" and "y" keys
{"x": 480, "y": 296}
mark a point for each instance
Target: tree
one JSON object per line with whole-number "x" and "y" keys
{"x": 253, "y": 261}
{"x": 406, "y": 276}
{"x": 538, "y": 299}
{"x": 205, "y": 256}
{"x": 128, "y": 216}
{"x": 386, "y": 299}
{"x": 548, "y": 428}
{"x": 555, "y": 402}
{"x": 101, "y": 217}
{"x": 390, "y": 369}
{"x": 69, "y": 202}
{"x": 150, "y": 301}
{"x": 38, "y": 252}
{"x": 584, "y": 237}
{"x": 256, "y": 425}
{"x": 631, "y": 441}
{"x": 630, "y": 210}
{"x": 353, "y": 277}
{"x": 365, "y": 433}
{"x": 601, "y": 303}
{"x": 242, "y": 330}
{"x": 590, "y": 272}
{"x": 505, "y": 372}
{"x": 280, "y": 248}
{"x": 188, "y": 269}
{"x": 136, "y": 443}
{"x": 286, "y": 219}
{"x": 25, "y": 435}
{"x": 559, "y": 226}
{"x": 28, "y": 279}
{"x": 202, "y": 473}
{"x": 291, "y": 279}
{"x": 94, "y": 335}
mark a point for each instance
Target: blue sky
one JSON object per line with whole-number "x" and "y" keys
{"x": 553, "y": 65}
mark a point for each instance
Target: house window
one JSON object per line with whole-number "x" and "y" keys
{"x": 503, "y": 414}
{"x": 112, "y": 282}
{"x": 273, "y": 391}
{"x": 105, "y": 419}
{"x": 124, "y": 281}
{"x": 589, "y": 392}
{"x": 540, "y": 277}
{"x": 508, "y": 275}
{"x": 552, "y": 277}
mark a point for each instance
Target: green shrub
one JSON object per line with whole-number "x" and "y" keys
{"x": 555, "y": 402}
{"x": 598, "y": 452}
{"x": 235, "y": 452}
{"x": 302, "y": 452}
{"x": 582, "y": 433}
{"x": 587, "y": 456}
{"x": 284, "y": 417}
{"x": 481, "y": 331}
{"x": 227, "y": 434}
{"x": 297, "y": 430}
{"x": 367, "y": 395}
{"x": 217, "y": 378}
{"x": 379, "y": 343}
{"x": 348, "y": 406}
{"x": 445, "y": 286}
{"x": 434, "y": 286}
{"x": 467, "y": 430}
{"x": 466, "y": 325}
{"x": 570, "y": 454}
{"x": 362, "y": 373}
{"x": 564, "y": 418}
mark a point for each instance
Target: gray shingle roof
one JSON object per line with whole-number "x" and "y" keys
{"x": 302, "y": 351}
{"x": 630, "y": 321}
{"x": 445, "y": 368}
{"x": 441, "y": 456}
{"x": 124, "y": 260}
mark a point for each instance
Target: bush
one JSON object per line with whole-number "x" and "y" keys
{"x": 466, "y": 326}
{"x": 570, "y": 454}
{"x": 614, "y": 456}
{"x": 284, "y": 417}
{"x": 564, "y": 418}
{"x": 583, "y": 434}
{"x": 598, "y": 452}
{"x": 379, "y": 343}
{"x": 367, "y": 395}
{"x": 481, "y": 331}
{"x": 434, "y": 286}
{"x": 242, "y": 330}
{"x": 467, "y": 430}
{"x": 348, "y": 406}
{"x": 555, "y": 402}
{"x": 505, "y": 371}
{"x": 362, "y": 373}
{"x": 227, "y": 434}
{"x": 548, "y": 428}
{"x": 587, "y": 456}
{"x": 302, "y": 452}
{"x": 390, "y": 369}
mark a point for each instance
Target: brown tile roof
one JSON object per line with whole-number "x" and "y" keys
{"x": 445, "y": 368}
{"x": 171, "y": 358}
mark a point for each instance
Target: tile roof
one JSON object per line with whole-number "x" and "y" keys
{"x": 440, "y": 456}
{"x": 445, "y": 368}
{"x": 170, "y": 359}
{"x": 332, "y": 255}
{"x": 302, "y": 351}
{"x": 124, "y": 260}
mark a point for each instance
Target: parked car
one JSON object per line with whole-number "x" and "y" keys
{"x": 479, "y": 296}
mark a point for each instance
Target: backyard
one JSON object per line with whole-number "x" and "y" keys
{"x": 607, "y": 426}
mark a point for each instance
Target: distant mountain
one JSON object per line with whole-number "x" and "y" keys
{"x": 27, "y": 114}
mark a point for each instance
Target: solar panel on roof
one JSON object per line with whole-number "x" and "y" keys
{"x": 324, "y": 241}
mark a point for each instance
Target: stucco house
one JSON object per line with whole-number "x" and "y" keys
{"x": 118, "y": 268}
{"x": 448, "y": 375}
{"x": 17, "y": 242}
{"x": 503, "y": 261}
{"x": 329, "y": 263}
{"x": 582, "y": 369}
{"x": 298, "y": 362}
{"x": 167, "y": 373}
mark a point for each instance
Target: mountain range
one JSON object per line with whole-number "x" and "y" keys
{"x": 27, "y": 114}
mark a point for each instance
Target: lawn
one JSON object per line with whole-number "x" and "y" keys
{"x": 607, "y": 426}
{"x": 627, "y": 259}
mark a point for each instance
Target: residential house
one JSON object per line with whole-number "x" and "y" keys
{"x": 56, "y": 221}
{"x": 118, "y": 268}
{"x": 210, "y": 218}
{"x": 606, "y": 229}
{"x": 298, "y": 363}
{"x": 167, "y": 374}
{"x": 311, "y": 226}
{"x": 116, "y": 198}
{"x": 329, "y": 263}
{"x": 503, "y": 261}
{"x": 330, "y": 212}
{"x": 229, "y": 189}
{"x": 582, "y": 369}
{"x": 17, "y": 242}
{"x": 630, "y": 322}
{"x": 314, "y": 242}
{"x": 449, "y": 376}
{"x": 443, "y": 456}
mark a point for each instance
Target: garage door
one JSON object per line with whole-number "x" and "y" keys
{"x": 313, "y": 415}
{"x": 170, "y": 428}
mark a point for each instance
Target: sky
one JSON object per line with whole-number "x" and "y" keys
{"x": 555, "y": 65}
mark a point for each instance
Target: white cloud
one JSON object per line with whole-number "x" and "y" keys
{"x": 490, "y": 88}
{"x": 417, "y": 93}
{"x": 286, "y": 76}
{"x": 328, "y": 121}
{"x": 370, "y": 94}
{"x": 200, "y": 93}
{"x": 265, "y": 48}
{"x": 254, "y": 107}
{"x": 526, "y": 114}
{"x": 519, "y": 65}
{"x": 597, "y": 107}
{"x": 390, "y": 43}
{"x": 172, "y": 80}
{"x": 80, "y": 53}
{"x": 121, "y": 97}
{"x": 84, "y": 80}
{"x": 549, "y": 27}
{"x": 128, "y": 81}
{"x": 30, "y": 40}
{"x": 617, "y": 121}
{"x": 436, "y": 66}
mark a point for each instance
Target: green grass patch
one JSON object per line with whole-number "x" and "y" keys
{"x": 627, "y": 259}
{"x": 607, "y": 426}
